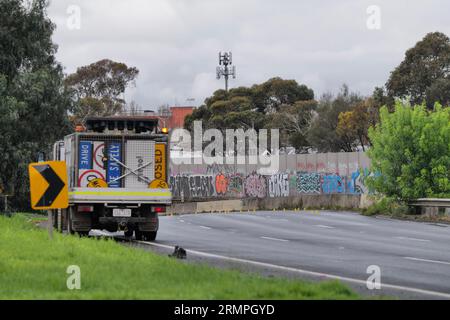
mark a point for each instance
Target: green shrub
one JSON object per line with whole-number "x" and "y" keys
{"x": 411, "y": 152}
{"x": 387, "y": 205}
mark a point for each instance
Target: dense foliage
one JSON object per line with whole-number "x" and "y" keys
{"x": 265, "y": 105}
{"x": 98, "y": 88}
{"x": 411, "y": 152}
{"x": 33, "y": 102}
{"x": 424, "y": 74}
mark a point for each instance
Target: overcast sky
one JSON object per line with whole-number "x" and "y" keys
{"x": 175, "y": 43}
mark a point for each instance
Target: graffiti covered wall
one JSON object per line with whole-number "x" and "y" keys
{"x": 329, "y": 173}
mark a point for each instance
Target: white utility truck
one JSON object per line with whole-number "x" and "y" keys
{"x": 117, "y": 170}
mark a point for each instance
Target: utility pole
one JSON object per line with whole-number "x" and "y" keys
{"x": 226, "y": 60}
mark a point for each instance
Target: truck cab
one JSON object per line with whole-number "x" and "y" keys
{"x": 117, "y": 170}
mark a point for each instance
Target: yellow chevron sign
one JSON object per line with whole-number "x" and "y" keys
{"x": 48, "y": 185}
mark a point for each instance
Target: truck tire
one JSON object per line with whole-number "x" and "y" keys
{"x": 129, "y": 233}
{"x": 82, "y": 234}
{"x": 149, "y": 236}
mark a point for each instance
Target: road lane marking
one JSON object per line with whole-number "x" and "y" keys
{"x": 412, "y": 239}
{"x": 274, "y": 239}
{"x": 427, "y": 260}
{"x": 301, "y": 271}
{"x": 181, "y": 220}
{"x": 323, "y": 226}
{"x": 204, "y": 227}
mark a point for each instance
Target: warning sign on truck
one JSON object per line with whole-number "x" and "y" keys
{"x": 114, "y": 170}
{"x": 90, "y": 167}
{"x": 160, "y": 161}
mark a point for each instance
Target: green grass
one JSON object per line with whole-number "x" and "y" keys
{"x": 34, "y": 267}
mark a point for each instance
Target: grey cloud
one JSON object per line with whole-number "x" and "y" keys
{"x": 174, "y": 43}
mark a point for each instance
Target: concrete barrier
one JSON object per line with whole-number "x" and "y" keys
{"x": 320, "y": 201}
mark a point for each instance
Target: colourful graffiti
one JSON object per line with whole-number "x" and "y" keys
{"x": 278, "y": 185}
{"x": 200, "y": 186}
{"x": 309, "y": 182}
{"x": 356, "y": 184}
{"x": 221, "y": 184}
{"x": 255, "y": 186}
{"x": 236, "y": 185}
{"x": 333, "y": 183}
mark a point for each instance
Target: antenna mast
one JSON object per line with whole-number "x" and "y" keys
{"x": 225, "y": 69}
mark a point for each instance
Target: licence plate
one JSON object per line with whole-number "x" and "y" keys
{"x": 121, "y": 212}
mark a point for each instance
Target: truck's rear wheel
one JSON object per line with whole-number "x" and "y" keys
{"x": 149, "y": 236}
{"x": 83, "y": 233}
{"x": 129, "y": 233}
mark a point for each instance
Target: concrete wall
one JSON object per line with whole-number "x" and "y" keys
{"x": 298, "y": 175}
{"x": 301, "y": 202}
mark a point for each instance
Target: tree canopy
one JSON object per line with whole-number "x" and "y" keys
{"x": 323, "y": 133}
{"x": 98, "y": 88}
{"x": 262, "y": 105}
{"x": 33, "y": 101}
{"x": 424, "y": 74}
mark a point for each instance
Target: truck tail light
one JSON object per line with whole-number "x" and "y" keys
{"x": 159, "y": 209}
{"x": 85, "y": 209}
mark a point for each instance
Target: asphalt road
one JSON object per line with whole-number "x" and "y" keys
{"x": 409, "y": 254}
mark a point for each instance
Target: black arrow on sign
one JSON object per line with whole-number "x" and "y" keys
{"x": 55, "y": 185}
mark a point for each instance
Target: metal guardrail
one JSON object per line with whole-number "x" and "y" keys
{"x": 431, "y": 202}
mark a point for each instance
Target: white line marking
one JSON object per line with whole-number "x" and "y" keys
{"x": 311, "y": 273}
{"x": 275, "y": 239}
{"x": 427, "y": 260}
{"x": 412, "y": 239}
{"x": 323, "y": 226}
{"x": 204, "y": 227}
{"x": 181, "y": 220}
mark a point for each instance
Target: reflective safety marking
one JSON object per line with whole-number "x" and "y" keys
{"x": 121, "y": 193}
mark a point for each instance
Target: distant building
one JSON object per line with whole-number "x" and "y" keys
{"x": 169, "y": 117}
{"x": 173, "y": 117}
{"x": 177, "y": 116}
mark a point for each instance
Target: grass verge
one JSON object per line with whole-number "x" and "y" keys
{"x": 34, "y": 267}
{"x": 385, "y": 206}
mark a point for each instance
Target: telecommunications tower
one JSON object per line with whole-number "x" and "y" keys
{"x": 225, "y": 69}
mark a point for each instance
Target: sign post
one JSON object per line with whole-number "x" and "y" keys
{"x": 50, "y": 224}
{"x": 48, "y": 188}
